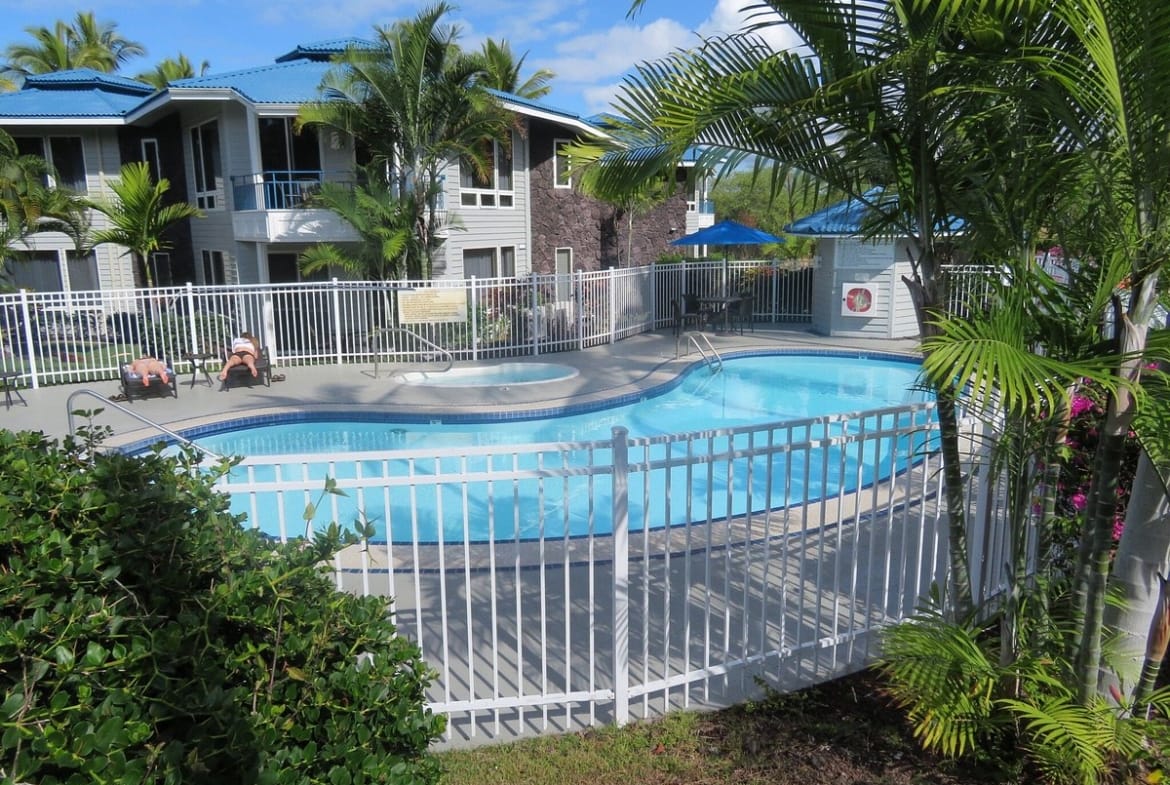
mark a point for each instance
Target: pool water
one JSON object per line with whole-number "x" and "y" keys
{"x": 749, "y": 391}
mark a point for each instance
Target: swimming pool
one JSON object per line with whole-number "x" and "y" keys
{"x": 505, "y": 374}
{"x": 462, "y": 464}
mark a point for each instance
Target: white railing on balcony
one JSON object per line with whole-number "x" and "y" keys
{"x": 65, "y": 337}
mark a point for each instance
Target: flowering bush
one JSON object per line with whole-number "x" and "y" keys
{"x": 1086, "y": 414}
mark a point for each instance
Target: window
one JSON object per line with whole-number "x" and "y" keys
{"x": 65, "y": 156}
{"x": 160, "y": 269}
{"x": 489, "y": 262}
{"x": 149, "y": 151}
{"x": 213, "y": 273}
{"x": 38, "y": 271}
{"x": 562, "y": 174}
{"x": 82, "y": 271}
{"x": 491, "y": 188}
{"x": 564, "y": 257}
{"x": 205, "y": 152}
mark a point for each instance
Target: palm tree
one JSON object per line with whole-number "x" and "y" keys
{"x": 28, "y": 207}
{"x": 170, "y": 70}
{"x": 501, "y": 71}
{"x": 139, "y": 216}
{"x": 900, "y": 93}
{"x": 384, "y": 223}
{"x": 86, "y": 43}
{"x": 412, "y": 104}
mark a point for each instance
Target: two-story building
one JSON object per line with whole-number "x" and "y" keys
{"x": 227, "y": 145}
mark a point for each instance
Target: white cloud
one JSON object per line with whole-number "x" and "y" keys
{"x": 608, "y": 53}
{"x": 732, "y": 16}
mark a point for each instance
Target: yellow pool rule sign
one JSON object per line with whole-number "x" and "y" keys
{"x": 425, "y": 306}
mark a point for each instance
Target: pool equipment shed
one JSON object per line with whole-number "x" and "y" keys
{"x": 857, "y": 283}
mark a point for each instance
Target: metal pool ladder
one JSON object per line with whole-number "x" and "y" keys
{"x": 710, "y": 356}
{"x": 378, "y": 335}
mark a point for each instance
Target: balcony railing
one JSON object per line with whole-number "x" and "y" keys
{"x": 281, "y": 189}
{"x": 705, "y": 206}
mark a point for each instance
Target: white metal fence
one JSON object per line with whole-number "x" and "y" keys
{"x": 63, "y": 337}
{"x": 572, "y": 606}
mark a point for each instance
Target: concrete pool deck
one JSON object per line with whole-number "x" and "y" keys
{"x": 609, "y": 371}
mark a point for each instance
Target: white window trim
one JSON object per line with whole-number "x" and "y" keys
{"x": 557, "y": 144}
{"x": 207, "y": 199}
{"x": 148, "y": 146}
{"x": 497, "y": 195}
{"x": 497, "y": 259}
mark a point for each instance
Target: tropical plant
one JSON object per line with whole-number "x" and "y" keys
{"x": 500, "y": 70}
{"x": 86, "y": 43}
{"x": 28, "y": 206}
{"x": 139, "y": 216}
{"x": 171, "y": 69}
{"x": 412, "y": 104}
{"x": 149, "y": 637}
{"x": 383, "y": 222}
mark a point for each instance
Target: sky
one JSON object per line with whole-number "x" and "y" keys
{"x": 589, "y": 44}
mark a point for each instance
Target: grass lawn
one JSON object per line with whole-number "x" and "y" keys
{"x": 843, "y": 732}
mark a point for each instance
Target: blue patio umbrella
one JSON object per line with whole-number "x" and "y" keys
{"x": 728, "y": 233}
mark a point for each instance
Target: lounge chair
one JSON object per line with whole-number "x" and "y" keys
{"x": 134, "y": 386}
{"x": 241, "y": 373}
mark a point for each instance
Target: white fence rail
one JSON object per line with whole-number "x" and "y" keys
{"x": 64, "y": 337}
{"x": 544, "y": 587}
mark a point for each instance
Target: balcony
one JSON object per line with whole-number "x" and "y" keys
{"x": 703, "y": 207}
{"x": 270, "y": 207}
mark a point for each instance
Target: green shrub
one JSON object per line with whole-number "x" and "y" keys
{"x": 146, "y": 636}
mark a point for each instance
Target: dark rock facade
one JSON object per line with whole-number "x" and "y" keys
{"x": 597, "y": 232}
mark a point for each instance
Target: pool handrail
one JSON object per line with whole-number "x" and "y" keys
{"x": 714, "y": 360}
{"x": 378, "y": 334}
{"x": 135, "y": 416}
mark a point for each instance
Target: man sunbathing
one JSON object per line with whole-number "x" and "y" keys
{"x": 145, "y": 366}
{"x": 244, "y": 350}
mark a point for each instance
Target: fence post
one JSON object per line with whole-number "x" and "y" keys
{"x": 337, "y": 322}
{"x": 474, "y": 319}
{"x": 579, "y": 276}
{"x": 621, "y": 576}
{"x": 534, "y": 322}
{"x": 192, "y": 328}
{"x": 612, "y": 307}
{"x": 774, "y": 306}
{"x": 28, "y": 339}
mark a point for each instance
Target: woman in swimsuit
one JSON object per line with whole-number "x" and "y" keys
{"x": 244, "y": 351}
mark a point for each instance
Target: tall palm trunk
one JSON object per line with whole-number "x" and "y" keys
{"x": 1097, "y": 535}
{"x": 926, "y": 302}
{"x": 1139, "y": 568}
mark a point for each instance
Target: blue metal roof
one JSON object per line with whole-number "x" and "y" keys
{"x": 844, "y": 218}
{"x": 292, "y": 82}
{"x": 325, "y": 50}
{"x": 81, "y": 93}
{"x": 848, "y": 218}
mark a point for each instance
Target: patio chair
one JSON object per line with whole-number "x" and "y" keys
{"x": 241, "y": 373}
{"x": 743, "y": 312}
{"x": 681, "y": 318}
{"x": 693, "y": 310}
{"x": 135, "y": 386}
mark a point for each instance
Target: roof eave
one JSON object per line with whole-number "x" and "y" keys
{"x": 62, "y": 121}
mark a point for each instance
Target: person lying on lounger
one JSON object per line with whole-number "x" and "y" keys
{"x": 145, "y": 366}
{"x": 244, "y": 351}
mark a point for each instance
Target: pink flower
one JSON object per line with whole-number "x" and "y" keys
{"x": 1078, "y": 501}
{"x": 1080, "y": 405}
{"x": 1118, "y": 528}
